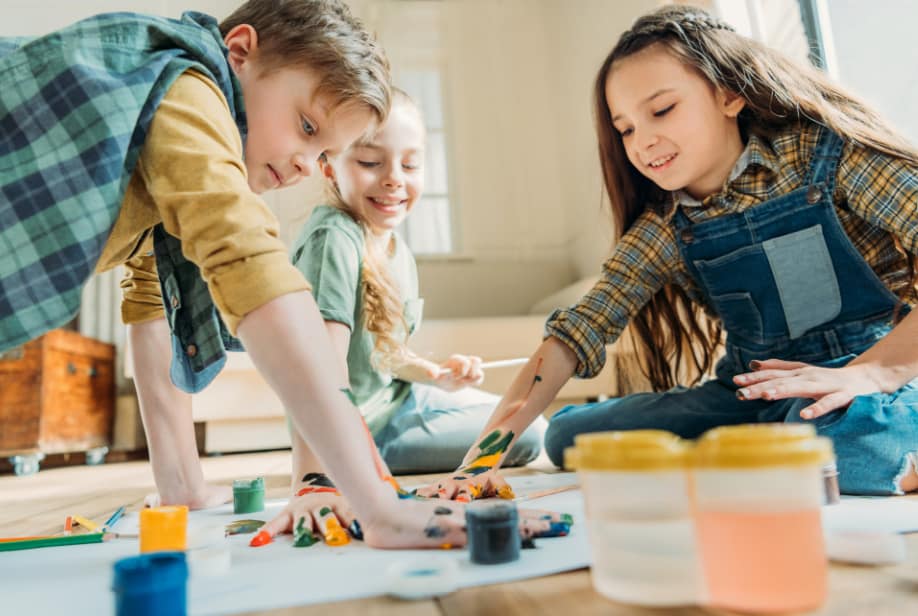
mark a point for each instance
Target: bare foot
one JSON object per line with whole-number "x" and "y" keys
{"x": 213, "y": 496}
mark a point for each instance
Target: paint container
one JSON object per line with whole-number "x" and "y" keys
{"x": 249, "y": 495}
{"x": 831, "y": 495}
{"x": 163, "y": 529}
{"x": 151, "y": 585}
{"x": 493, "y": 532}
{"x": 639, "y": 523}
{"x": 422, "y": 578}
{"x": 758, "y": 493}
{"x": 208, "y": 553}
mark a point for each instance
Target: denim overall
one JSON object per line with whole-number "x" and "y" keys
{"x": 788, "y": 284}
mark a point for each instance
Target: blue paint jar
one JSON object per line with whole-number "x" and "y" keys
{"x": 151, "y": 585}
{"x": 493, "y": 532}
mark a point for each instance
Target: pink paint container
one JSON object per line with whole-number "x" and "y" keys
{"x": 757, "y": 492}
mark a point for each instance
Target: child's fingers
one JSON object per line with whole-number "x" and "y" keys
{"x": 303, "y": 535}
{"x": 281, "y": 523}
{"x": 776, "y": 364}
{"x": 760, "y": 376}
{"x": 330, "y": 527}
{"x": 428, "y": 491}
{"x": 826, "y": 404}
{"x": 534, "y": 523}
{"x": 499, "y": 487}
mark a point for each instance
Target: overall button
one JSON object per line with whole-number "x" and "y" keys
{"x": 687, "y": 235}
{"x": 813, "y": 195}
{"x": 174, "y": 302}
{"x": 191, "y": 350}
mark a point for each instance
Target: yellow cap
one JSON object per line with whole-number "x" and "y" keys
{"x": 635, "y": 450}
{"x": 760, "y": 445}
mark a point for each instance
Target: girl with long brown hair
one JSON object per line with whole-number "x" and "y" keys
{"x": 767, "y": 220}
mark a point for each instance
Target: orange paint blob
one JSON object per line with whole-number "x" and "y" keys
{"x": 262, "y": 538}
{"x": 763, "y": 562}
{"x": 334, "y": 534}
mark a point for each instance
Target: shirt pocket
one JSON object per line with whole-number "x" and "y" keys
{"x": 414, "y": 311}
{"x": 805, "y": 277}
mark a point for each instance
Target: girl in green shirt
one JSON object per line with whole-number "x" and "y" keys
{"x": 364, "y": 279}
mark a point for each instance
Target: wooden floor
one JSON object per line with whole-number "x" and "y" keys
{"x": 38, "y": 503}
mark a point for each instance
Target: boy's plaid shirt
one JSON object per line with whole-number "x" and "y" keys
{"x": 75, "y": 106}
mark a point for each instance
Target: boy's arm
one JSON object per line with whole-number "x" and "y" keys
{"x": 533, "y": 389}
{"x": 166, "y": 414}
{"x": 287, "y": 341}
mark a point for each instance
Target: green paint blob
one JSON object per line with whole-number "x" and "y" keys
{"x": 302, "y": 536}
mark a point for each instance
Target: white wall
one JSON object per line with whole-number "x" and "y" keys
{"x": 524, "y": 156}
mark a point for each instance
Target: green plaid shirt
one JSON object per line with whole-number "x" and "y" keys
{"x": 876, "y": 199}
{"x": 75, "y": 107}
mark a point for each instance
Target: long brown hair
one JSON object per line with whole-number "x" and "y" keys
{"x": 778, "y": 93}
{"x": 321, "y": 36}
{"x": 383, "y": 312}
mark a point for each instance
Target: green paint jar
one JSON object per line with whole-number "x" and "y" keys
{"x": 249, "y": 495}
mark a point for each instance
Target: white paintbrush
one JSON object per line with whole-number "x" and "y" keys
{"x": 500, "y": 363}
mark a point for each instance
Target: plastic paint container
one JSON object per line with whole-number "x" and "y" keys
{"x": 642, "y": 541}
{"x": 163, "y": 529}
{"x": 249, "y": 495}
{"x": 493, "y": 531}
{"x": 151, "y": 585}
{"x": 758, "y": 493}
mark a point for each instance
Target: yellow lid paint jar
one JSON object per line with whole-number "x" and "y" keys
{"x": 163, "y": 529}
{"x": 758, "y": 490}
{"x": 642, "y": 543}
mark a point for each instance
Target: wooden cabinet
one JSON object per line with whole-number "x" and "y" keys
{"x": 56, "y": 395}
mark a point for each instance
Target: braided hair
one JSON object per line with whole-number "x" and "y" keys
{"x": 672, "y": 336}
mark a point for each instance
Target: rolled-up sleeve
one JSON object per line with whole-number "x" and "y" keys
{"x": 643, "y": 261}
{"x": 193, "y": 168}
{"x": 141, "y": 294}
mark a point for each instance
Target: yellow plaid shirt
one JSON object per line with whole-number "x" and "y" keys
{"x": 876, "y": 199}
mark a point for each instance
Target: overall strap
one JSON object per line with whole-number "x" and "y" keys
{"x": 824, "y": 160}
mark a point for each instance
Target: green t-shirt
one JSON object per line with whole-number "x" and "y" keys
{"x": 329, "y": 252}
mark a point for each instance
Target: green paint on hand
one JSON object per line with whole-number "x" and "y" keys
{"x": 302, "y": 536}
{"x": 324, "y": 511}
{"x": 350, "y": 395}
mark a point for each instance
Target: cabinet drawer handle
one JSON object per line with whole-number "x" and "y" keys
{"x": 71, "y": 368}
{"x": 12, "y": 354}
{"x": 92, "y": 371}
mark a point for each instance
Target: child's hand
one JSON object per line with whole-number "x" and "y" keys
{"x": 459, "y": 371}
{"x": 434, "y": 524}
{"x": 832, "y": 388}
{"x": 466, "y": 487}
{"x": 313, "y": 517}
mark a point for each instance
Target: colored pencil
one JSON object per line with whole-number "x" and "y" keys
{"x": 28, "y": 543}
{"x": 87, "y": 524}
{"x": 548, "y": 492}
{"x": 500, "y": 363}
{"x": 114, "y": 518}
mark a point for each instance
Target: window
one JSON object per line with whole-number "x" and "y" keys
{"x": 429, "y": 229}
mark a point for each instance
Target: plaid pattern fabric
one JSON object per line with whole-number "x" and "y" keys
{"x": 876, "y": 201}
{"x": 74, "y": 111}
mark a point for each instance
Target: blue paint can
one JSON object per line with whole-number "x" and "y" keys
{"x": 493, "y": 532}
{"x": 151, "y": 585}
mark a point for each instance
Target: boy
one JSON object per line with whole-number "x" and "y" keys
{"x": 122, "y": 135}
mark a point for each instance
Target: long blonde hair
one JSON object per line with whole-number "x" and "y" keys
{"x": 383, "y": 311}
{"x": 672, "y": 336}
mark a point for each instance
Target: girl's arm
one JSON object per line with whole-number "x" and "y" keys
{"x": 533, "y": 389}
{"x": 885, "y": 367}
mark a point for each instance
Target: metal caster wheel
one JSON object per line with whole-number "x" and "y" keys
{"x": 96, "y": 456}
{"x": 27, "y": 463}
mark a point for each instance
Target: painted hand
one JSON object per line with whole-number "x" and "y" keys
{"x": 432, "y": 524}
{"x": 313, "y": 516}
{"x": 465, "y": 487}
{"x": 459, "y": 371}
{"x": 831, "y": 388}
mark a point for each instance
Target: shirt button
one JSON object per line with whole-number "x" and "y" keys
{"x": 174, "y": 301}
{"x": 191, "y": 350}
{"x": 687, "y": 235}
{"x": 813, "y": 195}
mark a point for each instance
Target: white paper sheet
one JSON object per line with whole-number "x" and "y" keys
{"x": 76, "y": 579}
{"x": 881, "y": 513}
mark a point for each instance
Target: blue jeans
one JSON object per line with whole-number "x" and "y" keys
{"x": 433, "y": 430}
{"x": 873, "y": 439}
